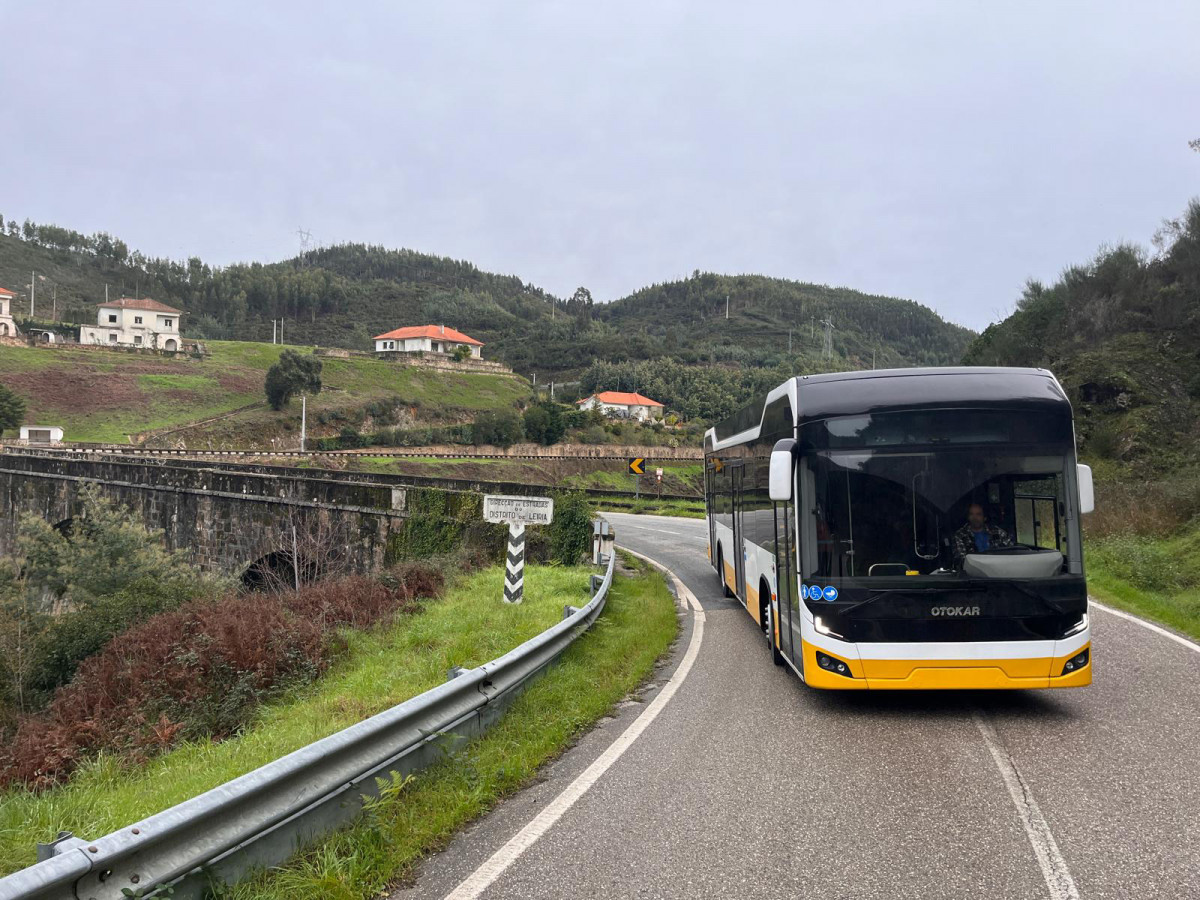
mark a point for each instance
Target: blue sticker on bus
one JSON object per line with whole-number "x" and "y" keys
{"x": 830, "y": 593}
{"x": 814, "y": 592}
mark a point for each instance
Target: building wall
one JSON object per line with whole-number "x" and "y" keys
{"x": 155, "y": 330}
{"x": 8, "y": 328}
{"x": 425, "y": 345}
{"x": 639, "y": 413}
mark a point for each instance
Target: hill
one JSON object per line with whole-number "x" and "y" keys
{"x": 108, "y": 396}
{"x": 341, "y": 296}
{"x": 1122, "y": 332}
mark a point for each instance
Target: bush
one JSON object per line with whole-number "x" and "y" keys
{"x": 500, "y": 428}
{"x": 295, "y": 373}
{"x": 571, "y": 528}
{"x": 545, "y": 423}
{"x": 200, "y": 671}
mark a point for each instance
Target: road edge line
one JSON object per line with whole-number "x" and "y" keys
{"x": 495, "y": 866}
{"x": 1157, "y": 629}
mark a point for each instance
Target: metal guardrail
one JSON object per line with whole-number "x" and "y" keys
{"x": 669, "y": 456}
{"x": 265, "y": 816}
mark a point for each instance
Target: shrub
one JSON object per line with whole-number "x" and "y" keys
{"x": 571, "y": 528}
{"x": 501, "y": 428}
{"x": 200, "y": 671}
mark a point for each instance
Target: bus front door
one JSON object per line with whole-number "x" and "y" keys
{"x": 736, "y": 472}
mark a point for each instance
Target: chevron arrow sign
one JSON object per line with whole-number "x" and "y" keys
{"x": 518, "y": 512}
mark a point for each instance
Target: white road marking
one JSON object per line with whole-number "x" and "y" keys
{"x": 1191, "y": 645}
{"x": 1045, "y": 848}
{"x": 479, "y": 880}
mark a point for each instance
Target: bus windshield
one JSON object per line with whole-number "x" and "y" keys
{"x": 912, "y": 494}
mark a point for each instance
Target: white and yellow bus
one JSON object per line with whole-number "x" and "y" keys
{"x": 907, "y": 528}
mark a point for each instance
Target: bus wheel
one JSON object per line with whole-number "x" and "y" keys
{"x": 769, "y": 618}
{"x": 725, "y": 591}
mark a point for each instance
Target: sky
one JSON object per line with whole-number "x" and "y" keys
{"x": 943, "y": 152}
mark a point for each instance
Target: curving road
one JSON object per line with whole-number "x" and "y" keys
{"x": 729, "y": 778}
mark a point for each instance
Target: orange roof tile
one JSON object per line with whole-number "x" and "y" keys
{"x": 622, "y": 398}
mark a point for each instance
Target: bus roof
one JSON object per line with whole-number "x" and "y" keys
{"x": 855, "y": 393}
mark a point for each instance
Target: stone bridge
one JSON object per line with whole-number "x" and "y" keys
{"x": 247, "y": 520}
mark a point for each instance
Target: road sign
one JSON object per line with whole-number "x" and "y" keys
{"x": 658, "y": 473}
{"x": 517, "y": 512}
{"x": 525, "y": 510}
{"x": 637, "y": 465}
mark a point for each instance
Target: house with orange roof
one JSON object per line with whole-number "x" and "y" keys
{"x": 8, "y": 327}
{"x": 426, "y": 339}
{"x": 623, "y": 405}
{"x": 135, "y": 322}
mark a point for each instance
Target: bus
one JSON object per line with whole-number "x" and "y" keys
{"x": 907, "y": 528}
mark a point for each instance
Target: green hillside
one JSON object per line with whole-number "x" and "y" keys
{"x": 102, "y": 395}
{"x": 341, "y": 296}
{"x": 1122, "y": 333}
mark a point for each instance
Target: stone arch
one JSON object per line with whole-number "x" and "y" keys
{"x": 3, "y": 329}
{"x": 171, "y": 345}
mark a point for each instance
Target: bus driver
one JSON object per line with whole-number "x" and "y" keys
{"x": 977, "y": 536}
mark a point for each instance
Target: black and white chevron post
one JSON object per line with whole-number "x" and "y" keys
{"x": 514, "y": 568}
{"x": 517, "y": 513}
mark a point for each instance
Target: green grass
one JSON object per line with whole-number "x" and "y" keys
{"x": 414, "y": 819}
{"x": 684, "y": 509}
{"x": 98, "y": 395}
{"x": 466, "y": 627}
{"x": 1158, "y": 578}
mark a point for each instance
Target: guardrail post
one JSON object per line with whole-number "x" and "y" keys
{"x": 596, "y": 581}
{"x": 64, "y": 842}
{"x": 569, "y": 610}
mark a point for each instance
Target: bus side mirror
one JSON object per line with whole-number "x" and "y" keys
{"x": 1087, "y": 493}
{"x": 782, "y": 470}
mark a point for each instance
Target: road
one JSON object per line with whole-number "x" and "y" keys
{"x": 746, "y": 783}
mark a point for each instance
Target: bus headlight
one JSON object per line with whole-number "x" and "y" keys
{"x": 822, "y": 628}
{"x": 1079, "y": 626}
{"x": 833, "y": 664}
{"x": 1076, "y": 662}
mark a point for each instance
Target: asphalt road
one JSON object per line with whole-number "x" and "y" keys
{"x": 749, "y": 784}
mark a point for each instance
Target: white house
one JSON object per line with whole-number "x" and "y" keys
{"x": 130, "y": 322}
{"x": 427, "y": 338}
{"x": 8, "y": 328}
{"x": 623, "y": 405}
{"x": 41, "y": 434}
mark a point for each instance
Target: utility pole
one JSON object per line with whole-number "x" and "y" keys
{"x": 274, "y": 326}
{"x": 32, "y": 290}
{"x": 726, "y": 307}
{"x": 828, "y": 350}
{"x": 872, "y": 359}
{"x": 281, "y": 329}
{"x": 303, "y": 419}
{"x": 789, "y": 342}
{"x": 105, "y": 293}
{"x": 54, "y": 304}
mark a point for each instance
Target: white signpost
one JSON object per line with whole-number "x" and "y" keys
{"x": 517, "y": 512}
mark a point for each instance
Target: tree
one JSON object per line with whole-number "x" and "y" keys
{"x": 501, "y": 428}
{"x": 295, "y": 373}
{"x": 545, "y": 424}
{"x": 12, "y": 410}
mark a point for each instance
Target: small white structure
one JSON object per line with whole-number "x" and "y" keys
{"x": 131, "y": 322}
{"x": 8, "y": 327}
{"x": 41, "y": 434}
{"x": 623, "y": 405}
{"x": 428, "y": 339}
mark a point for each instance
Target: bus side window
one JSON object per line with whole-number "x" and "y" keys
{"x": 808, "y": 519}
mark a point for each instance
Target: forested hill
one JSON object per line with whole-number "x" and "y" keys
{"x": 1122, "y": 332}
{"x": 343, "y": 295}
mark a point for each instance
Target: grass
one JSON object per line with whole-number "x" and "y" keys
{"x": 1154, "y": 577}
{"x": 418, "y": 817}
{"x": 684, "y": 509}
{"x": 466, "y": 627}
{"x": 106, "y": 396}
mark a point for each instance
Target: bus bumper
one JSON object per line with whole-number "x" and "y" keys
{"x": 947, "y": 674}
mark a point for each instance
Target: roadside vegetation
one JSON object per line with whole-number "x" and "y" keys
{"x": 374, "y": 669}
{"x": 418, "y": 816}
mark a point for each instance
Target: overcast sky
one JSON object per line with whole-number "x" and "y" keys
{"x": 943, "y": 152}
